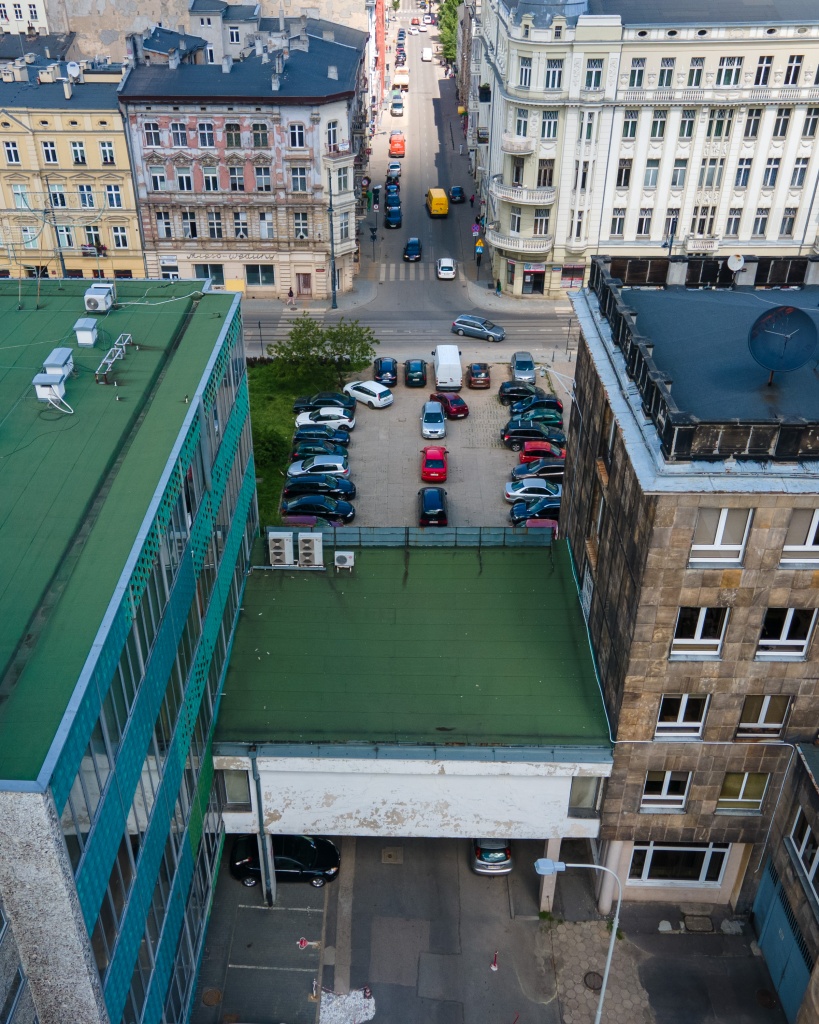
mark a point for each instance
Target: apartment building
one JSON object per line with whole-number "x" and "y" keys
{"x": 67, "y": 202}
{"x": 621, "y": 126}
{"x": 237, "y": 165}
{"x": 127, "y": 526}
{"x": 29, "y": 18}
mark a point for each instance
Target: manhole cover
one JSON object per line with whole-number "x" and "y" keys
{"x": 766, "y": 998}
{"x": 698, "y": 923}
{"x": 392, "y": 855}
{"x": 211, "y": 997}
{"x": 593, "y": 981}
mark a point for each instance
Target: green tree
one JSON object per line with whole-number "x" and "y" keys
{"x": 323, "y": 357}
{"x": 448, "y": 29}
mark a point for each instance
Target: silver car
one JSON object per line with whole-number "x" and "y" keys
{"x": 491, "y": 856}
{"x": 433, "y": 421}
{"x": 334, "y": 465}
{"x": 522, "y": 366}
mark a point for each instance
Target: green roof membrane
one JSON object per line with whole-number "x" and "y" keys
{"x": 428, "y": 645}
{"x": 52, "y": 468}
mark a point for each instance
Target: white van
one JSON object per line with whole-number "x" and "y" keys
{"x": 426, "y": 53}
{"x": 448, "y": 373}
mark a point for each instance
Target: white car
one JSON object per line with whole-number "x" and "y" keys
{"x": 370, "y": 393}
{"x": 331, "y": 465}
{"x": 339, "y": 419}
{"x": 445, "y": 269}
{"x": 422, "y": 27}
{"x": 427, "y": 19}
{"x": 530, "y": 489}
{"x": 394, "y": 169}
{"x": 414, "y": 30}
{"x": 433, "y": 421}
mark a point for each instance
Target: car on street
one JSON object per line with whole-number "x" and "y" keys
{"x": 413, "y": 250}
{"x": 391, "y": 180}
{"x": 477, "y": 327}
{"x": 400, "y": 60}
{"x": 393, "y": 169}
{"x": 433, "y": 421}
{"x": 522, "y": 366}
{"x": 478, "y": 375}
{"x": 307, "y": 448}
{"x": 414, "y": 30}
{"x": 393, "y": 218}
{"x": 322, "y": 399}
{"x": 339, "y": 510}
{"x": 432, "y": 510}
{"x": 392, "y": 201}
{"x": 385, "y": 371}
{"x": 369, "y": 392}
{"x": 535, "y": 450}
{"x": 540, "y": 415}
{"x": 543, "y": 508}
{"x": 319, "y": 483}
{"x": 340, "y": 418}
{"x": 415, "y": 373}
{"x": 321, "y": 432}
{"x": 454, "y": 406}
{"x": 415, "y": 21}
{"x": 457, "y": 194}
{"x": 536, "y": 402}
{"x": 422, "y": 27}
{"x": 392, "y": 188}
{"x": 491, "y": 856}
{"x": 398, "y": 146}
{"x": 334, "y": 465}
{"x": 297, "y": 859}
{"x": 546, "y": 469}
{"x": 517, "y": 432}
{"x": 445, "y": 269}
{"x": 516, "y": 390}
{"x": 427, "y": 19}
{"x": 433, "y": 463}
{"x": 530, "y": 489}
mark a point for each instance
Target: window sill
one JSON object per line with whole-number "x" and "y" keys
{"x": 714, "y": 563}
{"x": 692, "y": 656}
{"x": 779, "y": 656}
{"x": 672, "y": 737}
{"x": 736, "y": 812}
{"x": 662, "y": 810}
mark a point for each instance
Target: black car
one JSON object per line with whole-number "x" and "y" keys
{"x": 319, "y": 483}
{"x": 323, "y": 399}
{"x": 333, "y": 509}
{"x": 400, "y": 60}
{"x": 517, "y": 432}
{"x": 545, "y": 469}
{"x": 432, "y": 506}
{"x": 536, "y": 402}
{"x": 321, "y": 432}
{"x": 517, "y": 390}
{"x": 543, "y": 508}
{"x": 385, "y": 371}
{"x": 415, "y": 373}
{"x": 412, "y": 250}
{"x": 307, "y": 448}
{"x": 457, "y": 194}
{"x": 393, "y": 180}
{"x": 297, "y": 859}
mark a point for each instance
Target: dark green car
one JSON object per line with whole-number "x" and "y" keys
{"x": 415, "y": 373}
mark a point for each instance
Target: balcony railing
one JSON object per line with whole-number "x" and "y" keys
{"x": 518, "y": 194}
{"x": 695, "y": 244}
{"x": 539, "y": 243}
{"x": 517, "y": 144}
{"x": 721, "y": 94}
{"x": 337, "y": 150}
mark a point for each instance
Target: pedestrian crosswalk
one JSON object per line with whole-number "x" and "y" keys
{"x": 407, "y": 272}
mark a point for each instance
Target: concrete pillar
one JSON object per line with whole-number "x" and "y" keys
{"x": 809, "y": 1010}
{"x": 548, "y": 883}
{"x": 677, "y": 270}
{"x": 614, "y": 850}
{"x": 812, "y": 276}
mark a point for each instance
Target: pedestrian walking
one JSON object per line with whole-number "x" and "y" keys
{"x": 290, "y": 299}
{"x": 472, "y": 199}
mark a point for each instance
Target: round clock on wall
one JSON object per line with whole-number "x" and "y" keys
{"x": 782, "y": 339}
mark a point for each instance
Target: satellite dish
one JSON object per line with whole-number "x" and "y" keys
{"x": 73, "y": 69}
{"x": 782, "y": 339}
{"x": 736, "y": 262}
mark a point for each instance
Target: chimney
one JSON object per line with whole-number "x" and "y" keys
{"x": 227, "y": 64}
{"x": 67, "y": 89}
{"x": 281, "y": 17}
{"x": 278, "y": 62}
{"x": 174, "y": 60}
{"x": 47, "y": 53}
{"x": 182, "y": 44}
{"x": 259, "y": 47}
{"x": 274, "y": 81}
{"x": 332, "y": 71}
{"x": 21, "y": 73}
{"x": 328, "y": 35}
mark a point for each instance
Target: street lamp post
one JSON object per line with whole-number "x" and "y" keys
{"x": 545, "y": 866}
{"x": 333, "y": 304}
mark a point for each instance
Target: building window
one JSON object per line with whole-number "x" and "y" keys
{"x": 343, "y": 179}
{"x": 233, "y": 135}
{"x": 163, "y": 225}
{"x": 743, "y": 792}
{"x": 179, "y": 134}
{"x": 92, "y": 235}
{"x": 266, "y": 226}
{"x": 240, "y": 224}
{"x": 793, "y": 70}
{"x": 548, "y": 125}
{"x": 665, "y": 79}
{"x": 665, "y": 791}
{"x": 256, "y": 274}
{"x": 522, "y": 122}
{"x": 763, "y": 717}
{"x": 729, "y": 71}
{"x": 801, "y": 540}
{"x": 169, "y": 271}
{"x": 624, "y": 174}
{"x": 681, "y": 716}
{"x": 702, "y": 220}
{"x": 107, "y": 153}
{"x": 210, "y": 54}
{"x": 57, "y": 195}
{"x": 805, "y": 842}
{"x": 687, "y": 123}
{"x": 514, "y": 220}
{"x": 113, "y": 196}
{"x": 763, "y": 71}
{"x": 678, "y": 173}
{"x": 4, "y": 14}
{"x": 21, "y": 200}
{"x": 788, "y": 220}
{"x": 760, "y": 222}
{"x": 214, "y": 271}
{"x": 12, "y": 153}
{"x": 743, "y": 172}
{"x": 50, "y": 152}
{"x": 810, "y": 123}
{"x": 554, "y": 74}
{"x": 783, "y": 119}
{"x": 711, "y": 172}
{"x": 800, "y": 169}
{"x": 297, "y": 136}
{"x": 558, "y": 32}
{"x": 785, "y": 633}
{"x": 344, "y": 226}
{"x": 771, "y": 172}
{"x": 300, "y": 225}
{"x": 30, "y": 237}
{"x": 644, "y": 223}
{"x": 261, "y": 139}
{"x": 545, "y": 173}
{"x": 190, "y": 226}
{"x": 151, "y": 133}
{"x": 752, "y": 122}
{"x": 78, "y": 152}
{"x": 618, "y": 220}
{"x": 184, "y": 179}
{"x": 525, "y": 73}
{"x": 237, "y": 179}
{"x": 652, "y": 173}
{"x": 672, "y": 218}
{"x": 720, "y": 535}
{"x": 16, "y": 983}
{"x": 65, "y": 236}
{"x": 214, "y": 224}
{"x": 205, "y": 132}
{"x": 210, "y": 179}
{"x": 541, "y": 225}
{"x": 263, "y": 183}
{"x": 699, "y": 632}
{"x": 732, "y": 224}
{"x": 630, "y": 124}
{"x": 658, "y": 124}
{"x": 719, "y": 123}
{"x": 594, "y": 73}
{"x": 635, "y": 78}
{"x": 695, "y": 72}
{"x": 233, "y": 31}
{"x": 158, "y": 181}
{"x": 687, "y": 863}
{"x": 578, "y": 224}
{"x": 298, "y": 179}
{"x": 120, "y": 237}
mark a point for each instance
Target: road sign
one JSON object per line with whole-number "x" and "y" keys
{"x": 475, "y": 232}
{"x": 479, "y": 245}
{"x": 375, "y": 207}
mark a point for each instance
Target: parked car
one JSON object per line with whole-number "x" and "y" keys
{"x": 432, "y": 509}
{"x": 517, "y": 432}
{"x": 321, "y": 432}
{"x": 536, "y": 402}
{"x": 393, "y": 169}
{"x": 433, "y": 421}
{"x": 337, "y": 510}
{"x": 307, "y": 448}
{"x": 516, "y": 390}
{"x": 319, "y": 483}
{"x": 322, "y": 400}
{"x": 457, "y": 194}
{"x": 543, "y": 508}
{"x": 477, "y": 327}
{"x": 540, "y": 415}
{"x": 427, "y": 19}
{"x": 369, "y": 392}
{"x": 335, "y": 465}
{"x": 400, "y": 60}
{"x": 413, "y": 250}
{"x": 391, "y": 197}
{"x": 393, "y": 218}
{"x": 398, "y": 146}
{"x": 445, "y": 269}
{"x": 491, "y": 856}
{"x": 522, "y": 366}
{"x": 297, "y": 859}
{"x": 478, "y": 375}
{"x": 392, "y": 186}
{"x": 530, "y": 489}
{"x": 535, "y": 450}
{"x": 546, "y": 469}
{"x": 385, "y": 371}
{"x": 331, "y": 414}
{"x": 454, "y": 406}
{"x": 434, "y": 463}
{"x": 391, "y": 180}
{"x": 415, "y": 373}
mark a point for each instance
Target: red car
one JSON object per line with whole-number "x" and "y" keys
{"x": 433, "y": 464}
{"x": 454, "y": 406}
{"x": 534, "y": 450}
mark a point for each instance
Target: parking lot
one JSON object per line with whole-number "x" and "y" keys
{"x": 385, "y": 457}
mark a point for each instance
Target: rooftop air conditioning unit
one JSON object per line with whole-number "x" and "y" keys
{"x": 99, "y": 298}
{"x": 345, "y": 559}
{"x": 7, "y": 74}
{"x": 280, "y": 548}
{"x": 311, "y": 553}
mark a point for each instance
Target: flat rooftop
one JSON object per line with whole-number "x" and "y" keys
{"x": 706, "y": 12}
{"x": 461, "y": 646}
{"x": 75, "y": 488}
{"x": 700, "y": 340}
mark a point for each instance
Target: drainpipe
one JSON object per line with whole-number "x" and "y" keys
{"x": 269, "y": 879}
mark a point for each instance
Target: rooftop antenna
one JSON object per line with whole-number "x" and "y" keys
{"x": 735, "y": 264}
{"x": 782, "y": 339}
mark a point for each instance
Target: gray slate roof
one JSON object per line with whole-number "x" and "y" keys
{"x": 50, "y": 95}
{"x": 708, "y": 12}
{"x": 207, "y": 6}
{"x": 14, "y": 46}
{"x": 240, "y": 12}
{"x": 164, "y": 40}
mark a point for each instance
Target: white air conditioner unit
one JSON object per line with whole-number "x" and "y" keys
{"x": 311, "y": 550}
{"x": 99, "y": 298}
{"x": 280, "y": 548}
{"x": 7, "y": 75}
{"x": 345, "y": 559}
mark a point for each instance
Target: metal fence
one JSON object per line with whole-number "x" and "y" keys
{"x": 439, "y": 537}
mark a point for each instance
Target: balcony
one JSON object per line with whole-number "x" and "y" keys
{"x": 695, "y": 244}
{"x": 518, "y": 145}
{"x": 518, "y": 194}
{"x": 540, "y": 244}
{"x": 337, "y": 151}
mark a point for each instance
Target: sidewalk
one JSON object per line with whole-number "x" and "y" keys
{"x": 364, "y": 291}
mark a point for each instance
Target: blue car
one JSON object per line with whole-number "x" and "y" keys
{"x": 392, "y": 217}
